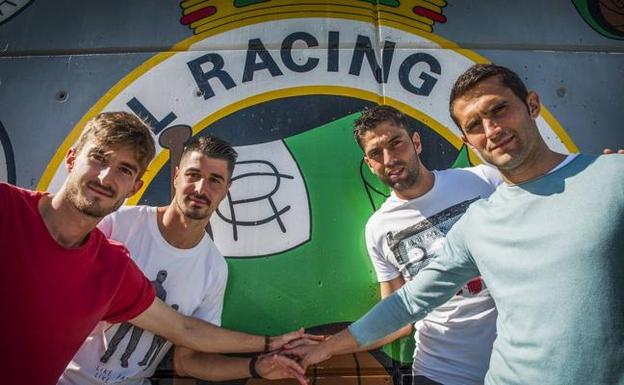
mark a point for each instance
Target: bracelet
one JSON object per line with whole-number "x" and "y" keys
{"x": 266, "y": 344}
{"x": 252, "y": 368}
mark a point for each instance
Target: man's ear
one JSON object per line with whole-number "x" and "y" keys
{"x": 465, "y": 140}
{"x": 533, "y": 102}
{"x": 135, "y": 189}
{"x": 175, "y": 174}
{"x": 367, "y": 161}
{"x": 417, "y": 142}
{"x": 70, "y": 159}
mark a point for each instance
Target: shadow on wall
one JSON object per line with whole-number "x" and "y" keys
{"x": 7, "y": 160}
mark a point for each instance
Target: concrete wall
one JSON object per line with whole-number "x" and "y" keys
{"x": 283, "y": 81}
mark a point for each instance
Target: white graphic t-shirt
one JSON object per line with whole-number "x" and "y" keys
{"x": 454, "y": 342}
{"x": 192, "y": 281}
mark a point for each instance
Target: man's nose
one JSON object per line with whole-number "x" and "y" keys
{"x": 389, "y": 157}
{"x": 491, "y": 128}
{"x": 201, "y": 186}
{"x": 105, "y": 175}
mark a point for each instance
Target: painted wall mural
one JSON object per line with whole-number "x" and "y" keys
{"x": 283, "y": 81}
{"x": 10, "y": 8}
{"x": 605, "y": 16}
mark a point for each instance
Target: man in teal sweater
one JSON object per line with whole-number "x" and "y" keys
{"x": 549, "y": 244}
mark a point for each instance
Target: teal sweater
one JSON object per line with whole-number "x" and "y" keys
{"x": 551, "y": 252}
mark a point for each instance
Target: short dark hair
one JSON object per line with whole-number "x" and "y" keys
{"x": 120, "y": 129}
{"x": 212, "y": 147}
{"x": 373, "y": 116}
{"x": 478, "y": 73}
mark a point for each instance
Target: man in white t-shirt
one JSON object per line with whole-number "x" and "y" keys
{"x": 172, "y": 248}
{"x": 454, "y": 342}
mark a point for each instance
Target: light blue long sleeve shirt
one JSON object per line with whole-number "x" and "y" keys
{"x": 551, "y": 252}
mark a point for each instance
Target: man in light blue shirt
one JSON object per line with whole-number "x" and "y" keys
{"x": 548, "y": 243}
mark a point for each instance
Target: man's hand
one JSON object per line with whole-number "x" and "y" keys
{"x": 279, "y": 342}
{"x": 300, "y": 348}
{"x": 306, "y": 341}
{"x": 308, "y": 351}
{"x": 607, "y": 151}
{"x": 310, "y": 354}
{"x": 276, "y": 367}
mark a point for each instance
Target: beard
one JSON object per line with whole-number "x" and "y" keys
{"x": 91, "y": 207}
{"x": 412, "y": 175}
{"x": 194, "y": 213}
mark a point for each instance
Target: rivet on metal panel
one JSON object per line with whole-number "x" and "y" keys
{"x": 61, "y": 96}
{"x": 561, "y": 91}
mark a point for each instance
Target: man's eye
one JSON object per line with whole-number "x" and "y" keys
{"x": 126, "y": 171}
{"x": 98, "y": 157}
{"x": 499, "y": 108}
{"x": 215, "y": 180}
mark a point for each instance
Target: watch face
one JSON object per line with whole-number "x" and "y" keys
{"x": 8, "y": 9}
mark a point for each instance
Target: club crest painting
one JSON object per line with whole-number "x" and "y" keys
{"x": 283, "y": 81}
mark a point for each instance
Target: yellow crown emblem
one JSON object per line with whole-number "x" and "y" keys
{"x": 206, "y": 15}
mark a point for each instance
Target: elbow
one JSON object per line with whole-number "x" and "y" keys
{"x": 180, "y": 366}
{"x": 190, "y": 363}
{"x": 407, "y": 330}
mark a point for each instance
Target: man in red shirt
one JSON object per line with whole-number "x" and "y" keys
{"x": 61, "y": 275}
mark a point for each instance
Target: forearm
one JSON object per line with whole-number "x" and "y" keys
{"x": 429, "y": 289}
{"x": 387, "y": 288}
{"x": 382, "y": 321}
{"x": 210, "y": 367}
{"x": 340, "y": 343}
{"x": 403, "y": 332}
{"x": 202, "y": 336}
{"x": 195, "y": 334}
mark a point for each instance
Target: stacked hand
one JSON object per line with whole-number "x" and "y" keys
{"x": 280, "y": 363}
{"x": 299, "y": 337}
{"x": 308, "y": 351}
{"x": 274, "y": 367}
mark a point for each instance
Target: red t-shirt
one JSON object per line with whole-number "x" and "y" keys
{"x": 52, "y": 297}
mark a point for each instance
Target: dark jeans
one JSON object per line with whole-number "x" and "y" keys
{"x": 422, "y": 380}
